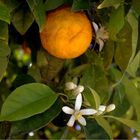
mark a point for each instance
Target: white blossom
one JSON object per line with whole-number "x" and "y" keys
{"x": 78, "y": 89}
{"x": 75, "y": 88}
{"x": 70, "y": 86}
{"x": 103, "y": 109}
{"x": 76, "y": 113}
{"x": 101, "y": 35}
{"x": 110, "y": 107}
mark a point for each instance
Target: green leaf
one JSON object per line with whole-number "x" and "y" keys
{"x": 80, "y": 5}
{"x": 39, "y": 12}
{"x": 105, "y": 125}
{"x": 129, "y": 123}
{"x": 12, "y": 4}
{"x": 116, "y": 22}
{"x": 96, "y": 79}
{"x": 4, "y": 92}
{"x": 22, "y": 19}
{"x": 4, "y": 13}
{"x": 49, "y": 67}
{"x": 37, "y": 121}
{"x": 4, "y": 35}
{"x": 92, "y": 97}
{"x": 131, "y": 91}
{"x": 53, "y": 4}
{"x": 108, "y": 53}
{"x": 124, "y": 48}
{"x": 4, "y": 49}
{"x": 3, "y": 66}
{"x": 87, "y": 79}
{"x": 94, "y": 131}
{"x": 136, "y": 5}
{"x": 26, "y": 101}
{"x": 132, "y": 95}
{"x": 133, "y": 21}
{"x": 134, "y": 65}
{"x": 120, "y": 100}
{"x": 108, "y": 3}
{"x": 115, "y": 74}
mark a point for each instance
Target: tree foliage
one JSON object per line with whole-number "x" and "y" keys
{"x": 32, "y": 82}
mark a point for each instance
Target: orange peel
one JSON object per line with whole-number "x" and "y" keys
{"x": 66, "y": 34}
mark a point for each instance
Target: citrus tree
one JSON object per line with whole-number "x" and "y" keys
{"x": 70, "y": 69}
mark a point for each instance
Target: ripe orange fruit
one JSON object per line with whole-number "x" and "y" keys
{"x": 66, "y": 34}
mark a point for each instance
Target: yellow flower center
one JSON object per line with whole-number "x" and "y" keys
{"x": 77, "y": 115}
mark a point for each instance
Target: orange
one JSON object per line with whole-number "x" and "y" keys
{"x": 66, "y": 34}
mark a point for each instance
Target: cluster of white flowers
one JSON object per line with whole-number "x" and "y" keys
{"x": 77, "y": 113}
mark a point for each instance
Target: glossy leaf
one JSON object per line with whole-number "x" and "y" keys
{"x": 22, "y": 19}
{"x": 51, "y": 63}
{"x": 120, "y": 100}
{"x": 36, "y": 122}
{"x": 95, "y": 131}
{"x": 39, "y": 12}
{"x": 93, "y": 98}
{"x": 134, "y": 65}
{"x": 80, "y": 5}
{"x": 133, "y": 21}
{"x": 12, "y": 4}
{"x": 129, "y": 123}
{"x": 105, "y": 125}
{"x": 133, "y": 95}
{"x": 26, "y": 101}
{"x": 130, "y": 90}
{"x": 87, "y": 80}
{"x": 136, "y": 4}
{"x": 108, "y": 3}
{"x": 115, "y": 74}
{"x": 117, "y": 16}
{"x": 52, "y": 4}
{"x": 4, "y": 13}
{"x": 96, "y": 79}
{"x": 4, "y": 92}
{"x": 4, "y": 49}
{"x": 108, "y": 53}
{"x": 124, "y": 47}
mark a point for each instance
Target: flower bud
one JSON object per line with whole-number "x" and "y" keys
{"x": 99, "y": 113}
{"x": 102, "y": 108}
{"x": 70, "y": 86}
{"x": 78, "y": 89}
{"x": 110, "y": 108}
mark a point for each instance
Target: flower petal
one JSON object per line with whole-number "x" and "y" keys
{"x": 82, "y": 121}
{"x": 78, "y": 102}
{"x": 67, "y": 110}
{"x": 70, "y": 86}
{"x": 95, "y": 26}
{"x": 78, "y": 89}
{"x": 71, "y": 121}
{"x": 88, "y": 111}
{"x": 101, "y": 44}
